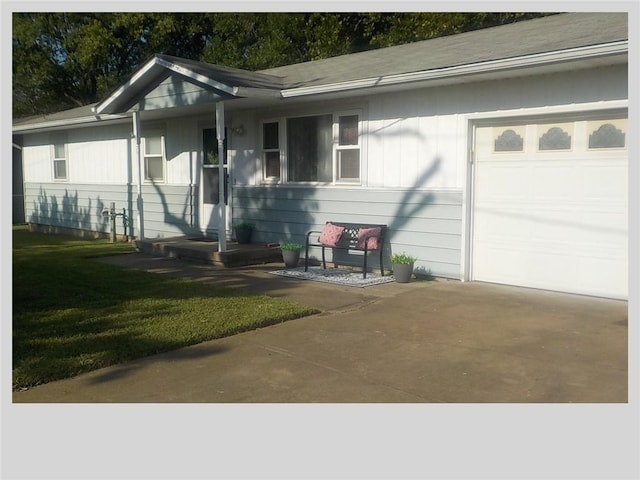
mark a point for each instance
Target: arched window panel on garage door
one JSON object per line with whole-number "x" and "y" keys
{"x": 509, "y": 139}
{"x": 555, "y": 137}
{"x": 609, "y": 133}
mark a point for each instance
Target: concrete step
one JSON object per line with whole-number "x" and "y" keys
{"x": 206, "y": 252}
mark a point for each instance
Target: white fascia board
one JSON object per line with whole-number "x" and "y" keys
{"x": 137, "y": 76}
{"x": 580, "y": 53}
{"x": 254, "y": 92}
{"x": 67, "y": 122}
{"x": 197, "y": 77}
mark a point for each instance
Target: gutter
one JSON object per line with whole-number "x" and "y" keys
{"x": 66, "y": 122}
{"x": 538, "y": 59}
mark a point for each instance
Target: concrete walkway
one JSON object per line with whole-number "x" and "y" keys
{"x": 426, "y": 341}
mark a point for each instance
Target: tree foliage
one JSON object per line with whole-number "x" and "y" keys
{"x": 65, "y": 60}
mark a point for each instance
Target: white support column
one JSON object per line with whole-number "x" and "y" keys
{"x": 140, "y": 206}
{"x": 222, "y": 226}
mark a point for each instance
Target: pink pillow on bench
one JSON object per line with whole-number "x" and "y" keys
{"x": 372, "y": 241}
{"x": 330, "y": 235}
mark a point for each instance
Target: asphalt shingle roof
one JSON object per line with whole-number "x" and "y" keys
{"x": 546, "y": 34}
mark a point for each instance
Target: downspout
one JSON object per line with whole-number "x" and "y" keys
{"x": 136, "y": 134}
{"x": 222, "y": 228}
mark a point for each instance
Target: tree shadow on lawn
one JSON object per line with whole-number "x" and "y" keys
{"x": 58, "y": 336}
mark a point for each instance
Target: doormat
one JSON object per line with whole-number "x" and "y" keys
{"x": 335, "y": 276}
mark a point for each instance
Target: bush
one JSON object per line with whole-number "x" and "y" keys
{"x": 402, "y": 258}
{"x": 290, "y": 247}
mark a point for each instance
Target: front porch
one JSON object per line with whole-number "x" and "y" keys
{"x": 202, "y": 250}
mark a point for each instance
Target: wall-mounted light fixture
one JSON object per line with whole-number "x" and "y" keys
{"x": 239, "y": 130}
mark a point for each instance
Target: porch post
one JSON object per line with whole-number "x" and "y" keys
{"x": 136, "y": 134}
{"x": 222, "y": 228}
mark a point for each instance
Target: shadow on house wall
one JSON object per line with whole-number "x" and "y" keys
{"x": 64, "y": 213}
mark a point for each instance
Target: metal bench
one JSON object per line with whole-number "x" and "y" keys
{"x": 350, "y": 240}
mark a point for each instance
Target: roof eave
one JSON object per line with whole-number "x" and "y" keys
{"x": 539, "y": 59}
{"x": 53, "y": 124}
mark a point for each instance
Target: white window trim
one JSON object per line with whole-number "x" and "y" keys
{"x": 282, "y": 139}
{"x": 162, "y": 156}
{"x": 56, "y": 140}
{"x": 263, "y": 162}
{"x": 337, "y": 147}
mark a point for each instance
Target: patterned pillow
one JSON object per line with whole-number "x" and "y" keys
{"x": 330, "y": 235}
{"x": 372, "y": 241}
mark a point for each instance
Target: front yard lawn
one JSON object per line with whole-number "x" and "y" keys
{"x": 72, "y": 314}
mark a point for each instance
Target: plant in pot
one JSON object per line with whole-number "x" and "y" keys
{"x": 290, "y": 254}
{"x": 243, "y": 231}
{"x": 402, "y": 266}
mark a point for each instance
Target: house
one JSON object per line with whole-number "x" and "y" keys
{"x": 496, "y": 155}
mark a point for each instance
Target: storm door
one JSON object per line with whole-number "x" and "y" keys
{"x": 210, "y": 192}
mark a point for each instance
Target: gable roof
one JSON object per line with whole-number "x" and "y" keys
{"x": 225, "y": 82}
{"x": 542, "y": 41}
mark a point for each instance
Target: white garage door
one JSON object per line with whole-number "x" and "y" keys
{"x": 550, "y": 206}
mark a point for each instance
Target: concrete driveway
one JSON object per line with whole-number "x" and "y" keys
{"x": 422, "y": 342}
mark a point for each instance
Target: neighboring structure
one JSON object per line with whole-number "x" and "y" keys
{"x": 497, "y": 155}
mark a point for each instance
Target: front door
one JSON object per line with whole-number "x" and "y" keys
{"x": 210, "y": 190}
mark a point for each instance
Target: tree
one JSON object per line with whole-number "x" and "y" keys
{"x": 65, "y": 60}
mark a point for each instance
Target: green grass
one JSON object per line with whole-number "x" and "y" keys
{"x": 72, "y": 314}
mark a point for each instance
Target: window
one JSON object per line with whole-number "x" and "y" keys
{"x": 557, "y": 137}
{"x": 316, "y": 148}
{"x": 154, "y": 158}
{"x": 509, "y": 141}
{"x": 348, "y": 149}
{"x": 271, "y": 150}
{"x": 607, "y": 136}
{"x": 59, "y": 153}
{"x": 309, "y": 149}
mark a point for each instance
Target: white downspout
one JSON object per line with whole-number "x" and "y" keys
{"x": 222, "y": 228}
{"x": 136, "y": 134}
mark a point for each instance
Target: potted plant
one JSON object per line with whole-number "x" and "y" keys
{"x": 402, "y": 266}
{"x": 243, "y": 231}
{"x": 290, "y": 254}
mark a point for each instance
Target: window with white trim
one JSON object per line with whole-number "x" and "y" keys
{"x": 348, "y": 149}
{"x": 271, "y": 151}
{"x": 314, "y": 149}
{"x": 59, "y": 157}
{"x": 153, "y": 148}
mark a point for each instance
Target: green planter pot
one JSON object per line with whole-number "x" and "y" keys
{"x": 402, "y": 272}
{"x": 291, "y": 258}
{"x": 243, "y": 235}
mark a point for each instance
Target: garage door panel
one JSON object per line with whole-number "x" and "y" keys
{"x": 551, "y": 219}
{"x": 552, "y": 183}
{"x": 602, "y": 182}
{"x": 497, "y": 226}
{"x": 503, "y": 183}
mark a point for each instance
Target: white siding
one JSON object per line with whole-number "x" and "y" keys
{"x": 100, "y": 155}
{"x": 411, "y": 133}
{"x": 175, "y": 88}
{"x": 36, "y": 158}
{"x": 181, "y": 144}
{"x": 97, "y": 155}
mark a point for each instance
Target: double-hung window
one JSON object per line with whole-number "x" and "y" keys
{"x": 59, "y": 154}
{"x": 348, "y": 149}
{"x": 313, "y": 149}
{"x": 271, "y": 151}
{"x": 154, "y": 157}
